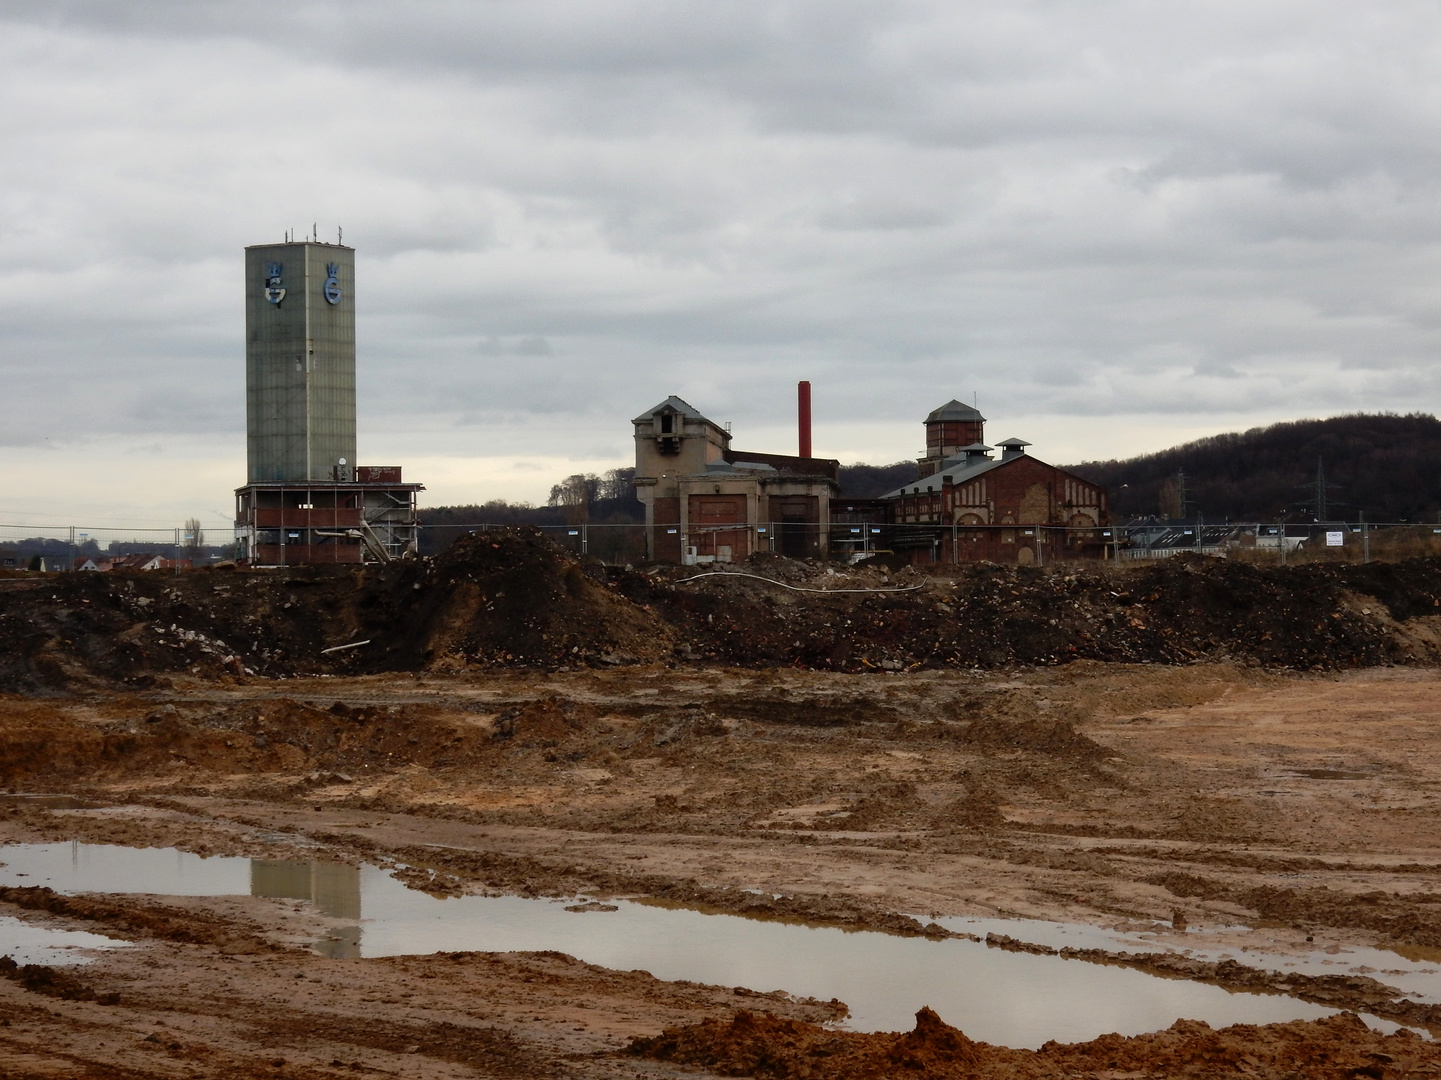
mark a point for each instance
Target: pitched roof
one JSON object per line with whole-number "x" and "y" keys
{"x": 675, "y": 405}
{"x": 954, "y": 410}
{"x": 957, "y": 468}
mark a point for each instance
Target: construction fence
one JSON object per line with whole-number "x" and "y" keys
{"x": 67, "y": 547}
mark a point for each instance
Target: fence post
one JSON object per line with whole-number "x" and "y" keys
{"x": 584, "y": 539}
{"x": 1281, "y": 541}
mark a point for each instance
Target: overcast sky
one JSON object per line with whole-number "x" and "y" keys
{"x": 1118, "y": 225}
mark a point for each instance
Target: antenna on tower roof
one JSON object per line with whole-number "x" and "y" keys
{"x": 339, "y": 236}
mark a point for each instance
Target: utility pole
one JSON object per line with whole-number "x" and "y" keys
{"x": 1281, "y": 540}
{"x": 1365, "y": 538}
{"x": 1320, "y": 490}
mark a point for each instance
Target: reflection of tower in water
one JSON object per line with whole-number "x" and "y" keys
{"x": 333, "y": 888}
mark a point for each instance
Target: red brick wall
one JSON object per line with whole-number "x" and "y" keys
{"x": 954, "y": 433}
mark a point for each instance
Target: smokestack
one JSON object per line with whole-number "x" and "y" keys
{"x": 803, "y": 406}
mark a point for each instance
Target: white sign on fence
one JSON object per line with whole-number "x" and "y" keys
{"x": 1335, "y": 539}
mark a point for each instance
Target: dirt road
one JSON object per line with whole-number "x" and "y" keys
{"x": 1262, "y": 812}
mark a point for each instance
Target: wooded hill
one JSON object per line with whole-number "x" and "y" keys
{"x": 1383, "y": 465}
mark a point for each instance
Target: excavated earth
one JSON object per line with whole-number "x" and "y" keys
{"x": 1201, "y": 750}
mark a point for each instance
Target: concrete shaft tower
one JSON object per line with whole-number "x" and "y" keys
{"x": 300, "y": 362}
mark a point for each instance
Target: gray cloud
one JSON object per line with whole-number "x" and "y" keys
{"x": 569, "y": 208}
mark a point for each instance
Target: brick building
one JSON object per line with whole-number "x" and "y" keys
{"x": 966, "y": 504}
{"x": 707, "y": 502}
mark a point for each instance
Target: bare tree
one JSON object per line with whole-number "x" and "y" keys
{"x": 574, "y": 495}
{"x": 194, "y": 540}
{"x": 616, "y": 484}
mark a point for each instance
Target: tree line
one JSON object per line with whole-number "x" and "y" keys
{"x": 1385, "y": 466}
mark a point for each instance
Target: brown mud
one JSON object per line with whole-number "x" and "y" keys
{"x": 774, "y": 1048}
{"x": 527, "y": 723}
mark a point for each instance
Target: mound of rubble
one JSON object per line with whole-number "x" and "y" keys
{"x": 497, "y": 599}
{"x": 503, "y": 599}
{"x": 514, "y": 599}
{"x": 1178, "y": 610}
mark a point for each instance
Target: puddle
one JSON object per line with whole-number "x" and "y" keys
{"x": 1011, "y": 999}
{"x": 1329, "y": 774}
{"x": 1415, "y": 971}
{"x": 27, "y": 944}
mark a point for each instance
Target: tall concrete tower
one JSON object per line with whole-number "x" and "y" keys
{"x": 300, "y": 362}
{"x": 306, "y": 500}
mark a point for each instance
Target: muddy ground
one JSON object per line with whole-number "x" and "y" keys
{"x": 1124, "y": 796}
{"x": 1269, "y": 809}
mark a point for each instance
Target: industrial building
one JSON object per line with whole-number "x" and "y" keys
{"x": 306, "y": 500}
{"x": 966, "y": 504}
{"x": 708, "y": 502}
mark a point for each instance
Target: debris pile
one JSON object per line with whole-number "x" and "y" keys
{"x": 1178, "y": 610}
{"x": 514, "y": 599}
{"x": 503, "y": 599}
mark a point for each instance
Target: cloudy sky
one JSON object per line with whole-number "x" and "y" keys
{"x": 1118, "y": 225}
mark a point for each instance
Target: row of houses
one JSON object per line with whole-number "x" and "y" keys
{"x": 103, "y": 563}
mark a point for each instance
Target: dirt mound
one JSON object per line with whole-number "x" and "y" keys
{"x": 332, "y": 746}
{"x": 502, "y": 599}
{"x": 1169, "y": 611}
{"x": 977, "y": 810}
{"x": 507, "y": 598}
{"x": 1051, "y": 736}
{"x": 41, "y": 979}
{"x": 772, "y": 1048}
{"x": 514, "y": 599}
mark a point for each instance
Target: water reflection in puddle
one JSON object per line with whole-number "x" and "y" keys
{"x": 1007, "y": 998}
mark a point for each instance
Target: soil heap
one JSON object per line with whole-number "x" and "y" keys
{"x": 514, "y": 599}
{"x": 769, "y": 1047}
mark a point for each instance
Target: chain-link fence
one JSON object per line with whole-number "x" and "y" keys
{"x": 925, "y": 543}
{"x": 67, "y": 547}
{"x": 87, "y": 547}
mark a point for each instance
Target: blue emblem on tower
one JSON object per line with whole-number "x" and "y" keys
{"x": 274, "y": 287}
{"x": 332, "y": 286}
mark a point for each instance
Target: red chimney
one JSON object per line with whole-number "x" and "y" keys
{"x": 803, "y": 404}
